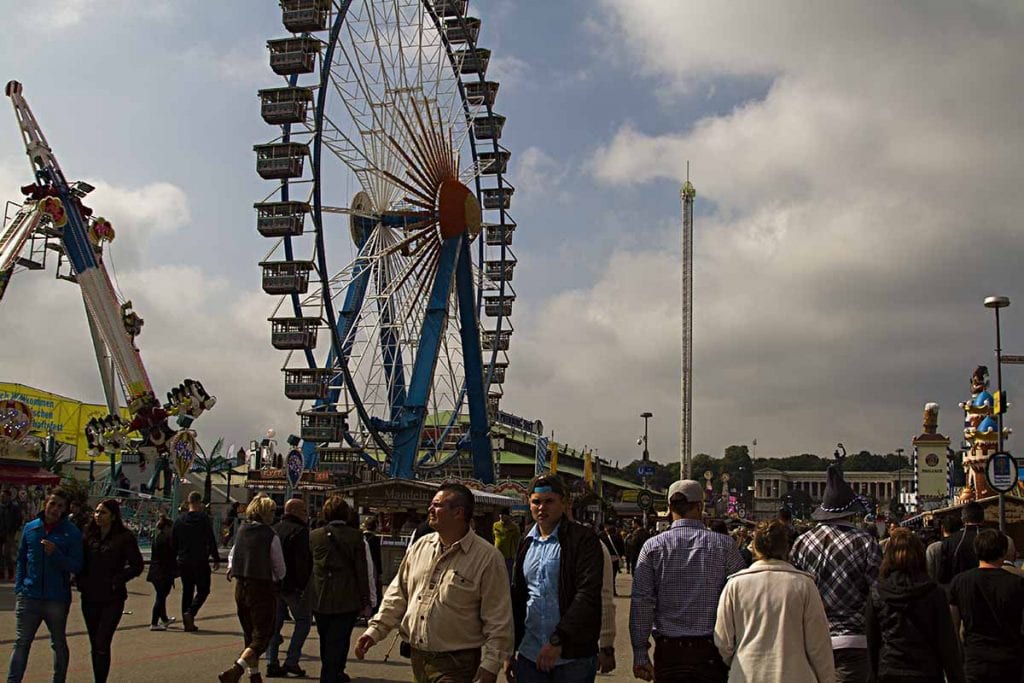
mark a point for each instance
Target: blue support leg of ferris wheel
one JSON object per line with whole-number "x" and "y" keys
{"x": 435, "y": 320}
{"x": 469, "y": 329}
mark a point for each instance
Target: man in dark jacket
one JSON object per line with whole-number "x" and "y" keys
{"x": 195, "y": 545}
{"x": 957, "y": 552}
{"x": 293, "y": 530}
{"x": 49, "y": 553}
{"x": 556, "y": 591}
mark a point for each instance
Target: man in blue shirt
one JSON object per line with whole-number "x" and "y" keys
{"x": 49, "y": 552}
{"x": 678, "y": 579}
{"x": 556, "y": 593}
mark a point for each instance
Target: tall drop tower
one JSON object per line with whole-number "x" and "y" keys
{"x": 687, "y": 195}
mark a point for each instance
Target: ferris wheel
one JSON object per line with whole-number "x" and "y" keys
{"x": 392, "y": 237}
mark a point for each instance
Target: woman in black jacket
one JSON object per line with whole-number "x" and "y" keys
{"x": 908, "y": 626}
{"x": 163, "y": 567}
{"x": 111, "y": 560}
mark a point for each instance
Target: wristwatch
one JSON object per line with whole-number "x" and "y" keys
{"x": 555, "y": 640}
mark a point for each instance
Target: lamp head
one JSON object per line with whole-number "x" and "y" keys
{"x": 997, "y": 301}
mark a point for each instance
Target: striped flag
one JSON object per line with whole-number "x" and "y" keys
{"x": 541, "y": 455}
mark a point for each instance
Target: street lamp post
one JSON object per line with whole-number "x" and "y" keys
{"x": 646, "y": 457}
{"x": 996, "y": 303}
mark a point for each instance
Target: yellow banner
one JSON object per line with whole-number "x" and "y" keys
{"x": 588, "y": 469}
{"x": 553, "y": 459}
{"x": 64, "y": 417}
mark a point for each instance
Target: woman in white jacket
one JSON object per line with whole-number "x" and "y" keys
{"x": 771, "y": 625}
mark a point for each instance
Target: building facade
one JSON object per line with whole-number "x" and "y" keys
{"x": 771, "y": 487}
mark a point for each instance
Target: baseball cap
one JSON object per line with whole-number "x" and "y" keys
{"x": 686, "y": 489}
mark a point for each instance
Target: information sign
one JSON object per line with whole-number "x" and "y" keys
{"x": 1001, "y": 472}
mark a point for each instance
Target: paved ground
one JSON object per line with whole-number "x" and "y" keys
{"x": 178, "y": 657}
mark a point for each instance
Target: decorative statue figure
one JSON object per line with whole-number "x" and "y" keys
{"x": 981, "y": 432}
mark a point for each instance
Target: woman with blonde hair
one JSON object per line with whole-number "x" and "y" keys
{"x": 771, "y": 625}
{"x": 907, "y": 621}
{"x": 256, "y": 563}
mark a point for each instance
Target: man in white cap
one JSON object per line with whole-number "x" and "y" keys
{"x": 679, "y": 577}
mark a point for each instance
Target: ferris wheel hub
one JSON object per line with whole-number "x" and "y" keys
{"x": 458, "y": 209}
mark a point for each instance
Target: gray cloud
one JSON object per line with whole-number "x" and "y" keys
{"x": 849, "y": 225}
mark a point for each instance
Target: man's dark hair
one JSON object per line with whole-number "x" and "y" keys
{"x": 785, "y": 515}
{"x": 990, "y": 546}
{"x": 463, "y": 498}
{"x": 681, "y": 507}
{"x": 551, "y": 481}
{"x": 719, "y": 526}
{"x": 952, "y": 524}
{"x": 195, "y": 498}
{"x": 63, "y": 494}
{"x": 973, "y": 513}
{"x": 335, "y": 509}
{"x": 503, "y": 511}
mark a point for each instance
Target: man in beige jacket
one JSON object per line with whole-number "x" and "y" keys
{"x": 450, "y": 599}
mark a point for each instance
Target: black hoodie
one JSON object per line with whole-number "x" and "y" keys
{"x": 909, "y": 630}
{"x": 193, "y": 540}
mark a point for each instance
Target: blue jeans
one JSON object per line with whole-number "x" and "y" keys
{"x": 582, "y": 670}
{"x": 28, "y": 614}
{"x": 303, "y": 617}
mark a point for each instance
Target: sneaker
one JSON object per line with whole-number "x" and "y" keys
{"x": 168, "y": 621}
{"x": 292, "y": 669}
{"x": 232, "y": 675}
{"x": 158, "y": 627}
{"x": 274, "y": 670}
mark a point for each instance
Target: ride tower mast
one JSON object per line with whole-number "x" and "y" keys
{"x": 687, "y": 194}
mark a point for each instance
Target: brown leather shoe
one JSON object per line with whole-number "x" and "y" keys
{"x": 255, "y": 678}
{"x": 232, "y": 675}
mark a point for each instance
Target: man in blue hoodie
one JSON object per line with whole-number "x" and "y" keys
{"x": 49, "y": 552}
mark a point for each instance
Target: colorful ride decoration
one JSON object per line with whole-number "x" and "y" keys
{"x": 183, "y": 447}
{"x": 15, "y": 427}
{"x": 981, "y": 432}
{"x": 53, "y": 208}
{"x": 100, "y": 231}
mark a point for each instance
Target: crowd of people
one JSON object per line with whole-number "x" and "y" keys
{"x": 535, "y": 603}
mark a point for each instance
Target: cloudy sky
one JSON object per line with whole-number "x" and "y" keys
{"x": 858, "y": 169}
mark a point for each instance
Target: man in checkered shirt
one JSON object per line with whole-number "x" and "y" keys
{"x": 844, "y": 561}
{"x": 678, "y": 579}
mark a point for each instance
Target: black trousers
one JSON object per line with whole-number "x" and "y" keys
{"x": 195, "y": 588}
{"x": 163, "y": 589}
{"x": 335, "y": 631}
{"x": 101, "y": 620}
{"x": 693, "y": 660}
{"x": 979, "y": 670}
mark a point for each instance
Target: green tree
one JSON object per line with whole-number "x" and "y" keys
{"x": 737, "y": 463}
{"x": 208, "y": 463}
{"x": 701, "y": 463}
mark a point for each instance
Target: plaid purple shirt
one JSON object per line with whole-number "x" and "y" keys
{"x": 677, "y": 582}
{"x": 844, "y": 563}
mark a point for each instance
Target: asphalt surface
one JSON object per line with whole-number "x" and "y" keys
{"x": 174, "y": 656}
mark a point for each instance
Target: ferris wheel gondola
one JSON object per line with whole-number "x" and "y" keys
{"x": 390, "y": 166}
